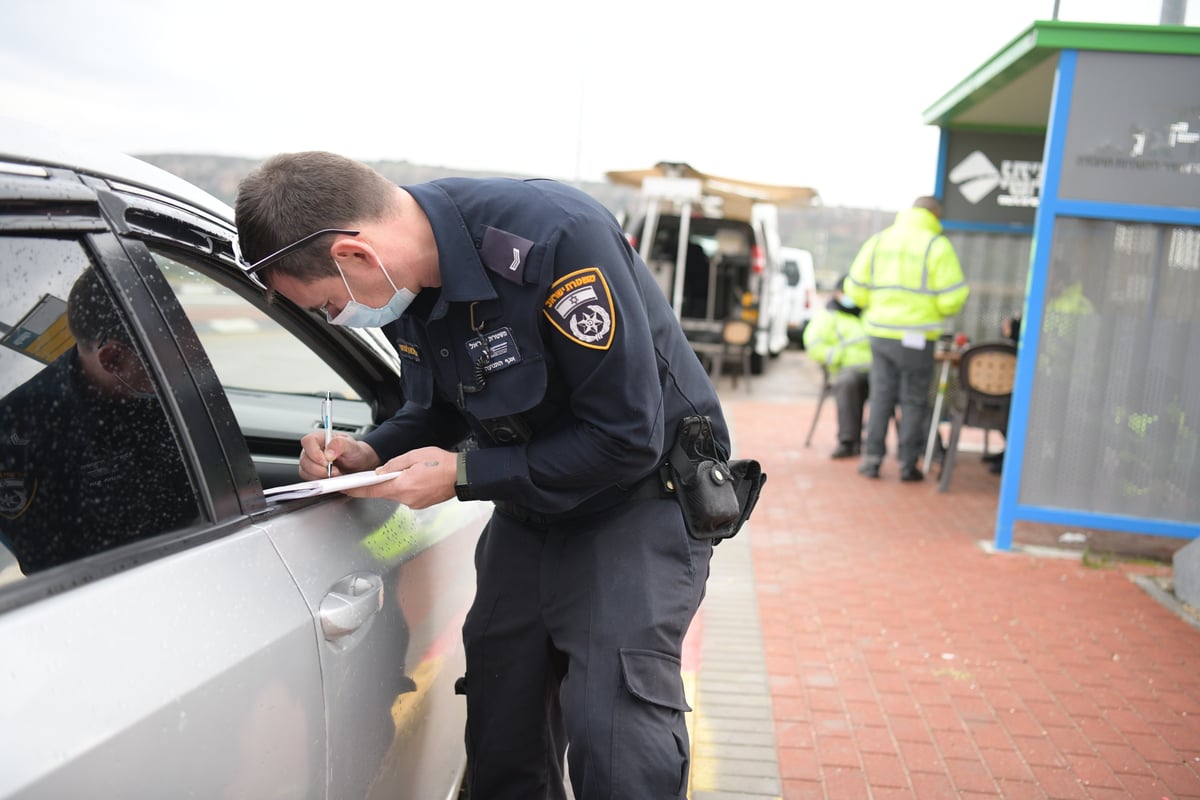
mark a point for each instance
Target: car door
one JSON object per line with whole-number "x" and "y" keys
{"x": 387, "y": 587}
{"x": 155, "y": 643}
{"x": 349, "y": 642}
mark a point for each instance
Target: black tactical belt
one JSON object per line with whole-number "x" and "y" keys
{"x": 648, "y": 487}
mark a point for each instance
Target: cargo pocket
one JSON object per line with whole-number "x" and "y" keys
{"x": 650, "y": 735}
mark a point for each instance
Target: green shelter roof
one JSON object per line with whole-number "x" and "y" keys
{"x": 1012, "y": 90}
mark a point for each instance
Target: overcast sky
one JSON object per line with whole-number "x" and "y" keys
{"x": 822, "y": 94}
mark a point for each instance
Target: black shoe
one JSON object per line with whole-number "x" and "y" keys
{"x": 911, "y": 474}
{"x": 845, "y": 450}
{"x": 992, "y": 458}
{"x": 996, "y": 467}
{"x": 868, "y": 470}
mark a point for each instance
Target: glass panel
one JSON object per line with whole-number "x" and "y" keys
{"x": 88, "y": 460}
{"x": 1115, "y": 413}
{"x": 274, "y": 382}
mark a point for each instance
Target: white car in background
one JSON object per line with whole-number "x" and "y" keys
{"x": 801, "y": 291}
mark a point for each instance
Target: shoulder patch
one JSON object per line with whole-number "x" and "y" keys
{"x": 505, "y": 254}
{"x": 17, "y": 485}
{"x": 581, "y": 307}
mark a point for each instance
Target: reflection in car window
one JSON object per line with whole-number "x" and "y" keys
{"x": 247, "y": 348}
{"x": 88, "y": 460}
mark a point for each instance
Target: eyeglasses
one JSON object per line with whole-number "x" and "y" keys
{"x": 287, "y": 250}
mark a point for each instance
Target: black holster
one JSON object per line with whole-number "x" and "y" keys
{"x": 716, "y": 495}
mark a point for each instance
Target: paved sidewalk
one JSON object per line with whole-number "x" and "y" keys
{"x": 860, "y": 640}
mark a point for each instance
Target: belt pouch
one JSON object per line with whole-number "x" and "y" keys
{"x": 703, "y": 482}
{"x": 748, "y": 480}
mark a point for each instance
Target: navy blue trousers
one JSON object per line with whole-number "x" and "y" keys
{"x": 573, "y": 643}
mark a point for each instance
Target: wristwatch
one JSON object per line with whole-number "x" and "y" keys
{"x": 461, "y": 488}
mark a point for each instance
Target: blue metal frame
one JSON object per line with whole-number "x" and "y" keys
{"x": 1160, "y": 215}
{"x": 988, "y": 227}
{"x": 1009, "y": 509}
{"x": 939, "y": 184}
{"x": 1035, "y": 299}
{"x": 1112, "y": 522}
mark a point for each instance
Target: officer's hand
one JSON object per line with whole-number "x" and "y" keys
{"x": 347, "y": 454}
{"x": 426, "y": 476}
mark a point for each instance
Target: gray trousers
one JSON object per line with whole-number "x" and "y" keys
{"x": 850, "y": 390}
{"x": 575, "y": 637}
{"x": 899, "y": 376}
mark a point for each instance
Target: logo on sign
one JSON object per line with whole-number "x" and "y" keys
{"x": 1020, "y": 182}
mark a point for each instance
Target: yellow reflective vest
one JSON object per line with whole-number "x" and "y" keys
{"x": 907, "y": 278}
{"x": 837, "y": 339}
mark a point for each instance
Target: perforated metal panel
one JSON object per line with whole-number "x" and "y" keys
{"x": 995, "y": 266}
{"x": 1114, "y": 418}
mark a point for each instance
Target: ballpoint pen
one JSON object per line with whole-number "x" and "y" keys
{"x": 327, "y": 421}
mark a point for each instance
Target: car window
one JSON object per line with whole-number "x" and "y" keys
{"x": 273, "y": 380}
{"x": 88, "y": 459}
{"x": 791, "y": 271}
{"x": 248, "y": 349}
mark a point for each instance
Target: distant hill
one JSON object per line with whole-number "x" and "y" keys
{"x": 219, "y": 176}
{"x": 832, "y": 234}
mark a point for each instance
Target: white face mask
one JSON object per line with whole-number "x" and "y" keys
{"x": 357, "y": 315}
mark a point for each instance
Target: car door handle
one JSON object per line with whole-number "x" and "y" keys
{"x": 350, "y": 603}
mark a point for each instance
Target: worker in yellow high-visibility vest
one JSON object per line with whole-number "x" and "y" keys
{"x": 835, "y": 338}
{"x": 907, "y": 279}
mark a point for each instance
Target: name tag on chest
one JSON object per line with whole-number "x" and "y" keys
{"x": 501, "y": 349}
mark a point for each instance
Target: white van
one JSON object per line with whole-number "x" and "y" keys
{"x": 801, "y": 291}
{"x": 713, "y": 246}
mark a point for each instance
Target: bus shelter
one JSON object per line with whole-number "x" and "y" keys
{"x": 1069, "y": 171}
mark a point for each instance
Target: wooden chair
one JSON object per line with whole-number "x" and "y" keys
{"x": 986, "y": 374}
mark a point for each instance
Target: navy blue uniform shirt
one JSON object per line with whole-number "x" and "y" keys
{"x": 547, "y": 324}
{"x": 81, "y": 472}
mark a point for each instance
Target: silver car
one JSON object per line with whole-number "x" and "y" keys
{"x": 166, "y": 628}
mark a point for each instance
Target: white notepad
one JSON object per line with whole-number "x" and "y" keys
{"x": 337, "y": 483}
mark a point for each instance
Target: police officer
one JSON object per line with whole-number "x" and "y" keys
{"x": 525, "y": 320}
{"x": 907, "y": 279}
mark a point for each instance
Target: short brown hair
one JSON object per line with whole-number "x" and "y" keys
{"x": 291, "y": 195}
{"x": 930, "y": 204}
{"x": 91, "y": 316}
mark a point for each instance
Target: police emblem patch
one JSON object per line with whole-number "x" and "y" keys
{"x": 16, "y": 493}
{"x": 17, "y": 485}
{"x": 581, "y": 307}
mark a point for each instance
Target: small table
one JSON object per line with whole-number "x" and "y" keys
{"x": 947, "y": 358}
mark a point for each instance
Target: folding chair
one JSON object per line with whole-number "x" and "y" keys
{"x": 826, "y": 393}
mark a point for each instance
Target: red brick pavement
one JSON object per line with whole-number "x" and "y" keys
{"x": 906, "y": 661}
